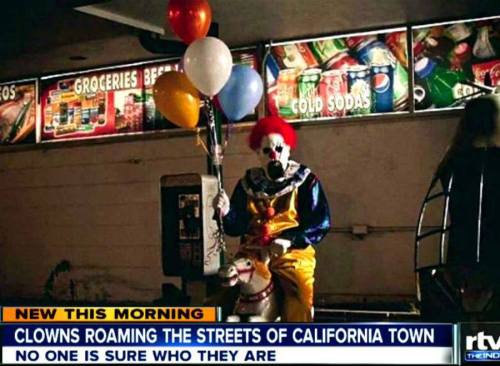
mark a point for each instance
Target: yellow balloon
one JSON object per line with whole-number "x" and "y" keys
{"x": 177, "y": 99}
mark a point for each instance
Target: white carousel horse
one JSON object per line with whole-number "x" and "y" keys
{"x": 258, "y": 298}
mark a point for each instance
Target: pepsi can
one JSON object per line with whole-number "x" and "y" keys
{"x": 382, "y": 82}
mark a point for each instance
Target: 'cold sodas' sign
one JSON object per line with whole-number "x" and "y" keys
{"x": 336, "y": 77}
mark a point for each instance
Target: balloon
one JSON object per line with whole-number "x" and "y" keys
{"x": 177, "y": 99}
{"x": 207, "y": 63}
{"x": 242, "y": 92}
{"x": 189, "y": 19}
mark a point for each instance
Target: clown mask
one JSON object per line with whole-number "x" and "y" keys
{"x": 273, "y": 155}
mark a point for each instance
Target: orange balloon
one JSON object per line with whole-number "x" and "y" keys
{"x": 177, "y": 99}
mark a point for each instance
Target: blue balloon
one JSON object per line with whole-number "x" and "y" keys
{"x": 242, "y": 92}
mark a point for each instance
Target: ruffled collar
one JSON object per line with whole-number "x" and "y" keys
{"x": 256, "y": 184}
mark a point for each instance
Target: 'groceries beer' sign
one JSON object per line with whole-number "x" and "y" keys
{"x": 93, "y": 105}
{"x": 107, "y": 82}
{"x": 337, "y": 77}
{"x": 153, "y": 119}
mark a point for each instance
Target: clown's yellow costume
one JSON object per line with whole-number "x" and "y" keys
{"x": 283, "y": 208}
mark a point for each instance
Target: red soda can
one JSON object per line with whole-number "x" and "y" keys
{"x": 333, "y": 88}
{"x": 342, "y": 61}
{"x": 354, "y": 42}
{"x": 272, "y": 100}
{"x": 396, "y": 42}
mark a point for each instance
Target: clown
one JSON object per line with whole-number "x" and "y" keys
{"x": 280, "y": 205}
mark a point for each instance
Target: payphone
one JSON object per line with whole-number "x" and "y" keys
{"x": 189, "y": 230}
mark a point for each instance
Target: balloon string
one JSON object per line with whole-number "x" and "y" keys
{"x": 217, "y": 153}
{"x": 229, "y": 130}
{"x": 200, "y": 142}
{"x": 219, "y": 243}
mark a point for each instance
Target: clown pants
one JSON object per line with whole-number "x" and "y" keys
{"x": 295, "y": 271}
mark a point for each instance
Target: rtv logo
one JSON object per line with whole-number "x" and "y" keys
{"x": 482, "y": 347}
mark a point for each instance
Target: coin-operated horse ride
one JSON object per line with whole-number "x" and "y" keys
{"x": 281, "y": 209}
{"x": 457, "y": 245}
{"x": 258, "y": 299}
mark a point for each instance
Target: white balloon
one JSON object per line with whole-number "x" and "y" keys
{"x": 208, "y": 63}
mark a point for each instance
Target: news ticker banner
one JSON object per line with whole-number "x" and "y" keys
{"x": 103, "y": 335}
{"x": 228, "y": 343}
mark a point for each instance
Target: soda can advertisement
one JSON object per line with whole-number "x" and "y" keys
{"x": 325, "y": 50}
{"x": 382, "y": 83}
{"x": 289, "y": 57}
{"x": 341, "y": 61}
{"x": 333, "y": 91}
{"x": 372, "y": 51}
{"x": 18, "y": 110}
{"x": 287, "y": 93}
{"x": 455, "y": 62}
{"x": 353, "y": 75}
{"x": 307, "y": 55}
{"x": 309, "y": 104}
{"x": 358, "y": 80}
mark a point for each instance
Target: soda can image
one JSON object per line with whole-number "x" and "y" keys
{"x": 272, "y": 100}
{"x": 358, "y": 81}
{"x": 333, "y": 89}
{"x": 375, "y": 52}
{"x": 307, "y": 54}
{"x": 396, "y": 42}
{"x": 382, "y": 83}
{"x": 308, "y": 93}
{"x": 85, "y": 116}
{"x": 287, "y": 92}
{"x": 401, "y": 94}
{"x": 289, "y": 56}
{"x": 326, "y": 49}
{"x": 342, "y": 61}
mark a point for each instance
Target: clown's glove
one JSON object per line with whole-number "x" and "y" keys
{"x": 221, "y": 203}
{"x": 279, "y": 247}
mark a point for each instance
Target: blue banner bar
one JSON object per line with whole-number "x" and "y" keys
{"x": 230, "y": 335}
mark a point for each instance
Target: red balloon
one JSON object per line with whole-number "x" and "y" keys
{"x": 189, "y": 19}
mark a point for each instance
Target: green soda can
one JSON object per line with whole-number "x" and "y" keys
{"x": 327, "y": 49}
{"x": 309, "y": 102}
{"x": 359, "y": 86}
{"x": 400, "y": 96}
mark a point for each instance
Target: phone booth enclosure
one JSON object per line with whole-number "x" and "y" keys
{"x": 188, "y": 226}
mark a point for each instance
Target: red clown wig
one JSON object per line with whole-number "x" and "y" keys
{"x": 273, "y": 124}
